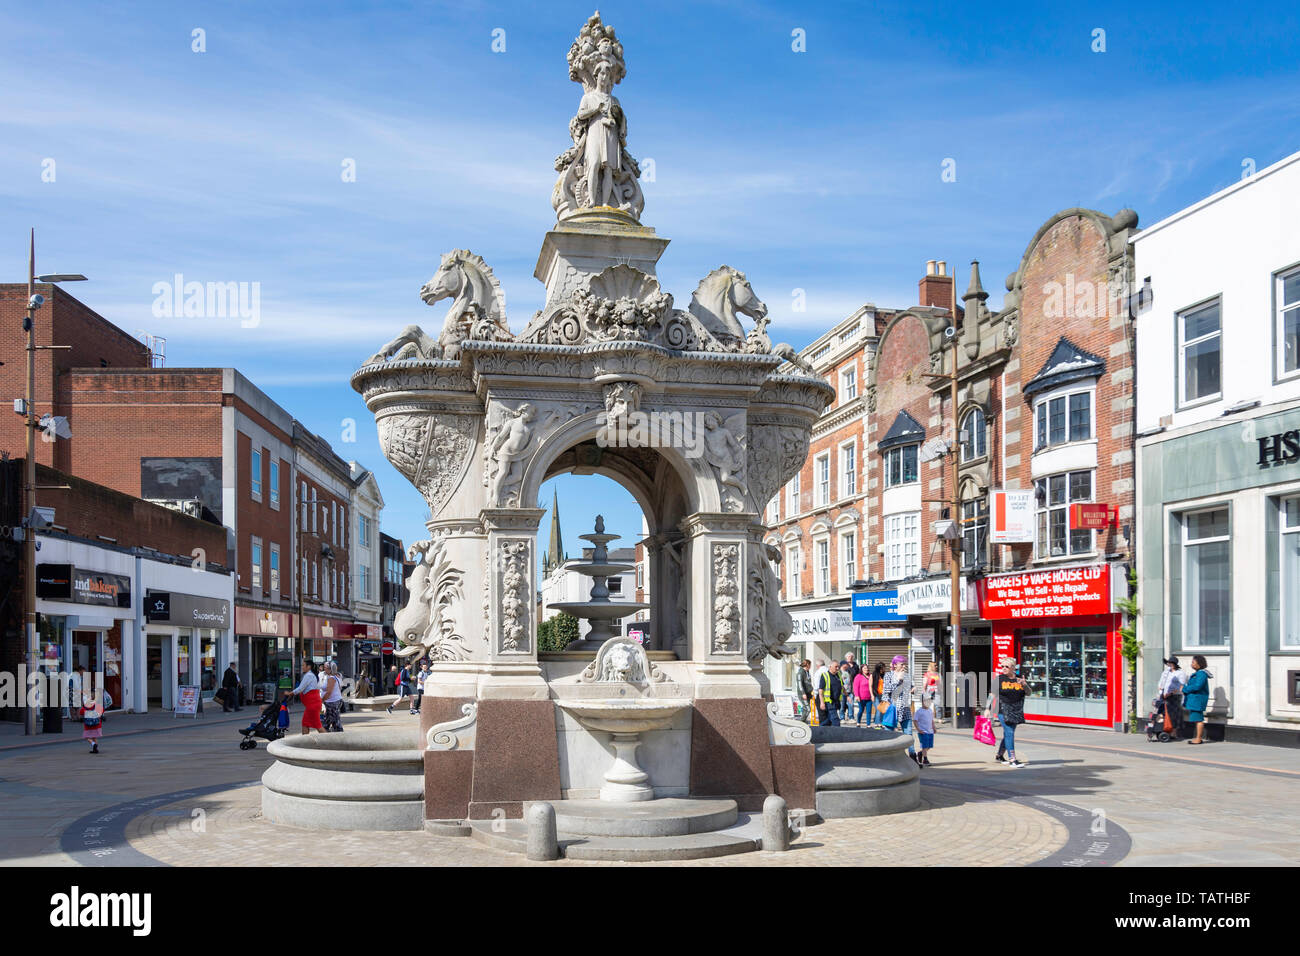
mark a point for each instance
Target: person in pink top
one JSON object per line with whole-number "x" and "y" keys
{"x": 862, "y": 691}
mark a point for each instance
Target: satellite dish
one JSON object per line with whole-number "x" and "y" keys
{"x": 934, "y": 448}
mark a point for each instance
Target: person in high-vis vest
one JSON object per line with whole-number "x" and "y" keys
{"x": 829, "y": 693}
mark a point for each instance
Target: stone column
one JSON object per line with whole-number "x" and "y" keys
{"x": 456, "y": 548}
{"x": 719, "y": 616}
{"x": 510, "y": 599}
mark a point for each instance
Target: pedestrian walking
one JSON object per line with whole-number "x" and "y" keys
{"x": 829, "y": 691}
{"x": 804, "y": 688}
{"x": 898, "y": 691}
{"x": 849, "y": 671}
{"x": 878, "y": 704}
{"x": 420, "y": 678}
{"x": 230, "y": 689}
{"x": 1170, "y": 690}
{"x": 332, "y": 697}
{"x": 1196, "y": 697}
{"x": 930, "y": 683}
{"x": 1007, "y": 703}
{"x": 862, "y": 691}
{"x": 91, "y": 713}
{"x": 925, "y": 730}
{"x": 308, "y": 691}
{"x": 402, "y": 684}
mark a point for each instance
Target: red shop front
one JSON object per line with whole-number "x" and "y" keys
{"x": 1060, "y": 624}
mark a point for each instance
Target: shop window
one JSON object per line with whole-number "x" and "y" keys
{"x": 1200, "y": 344}
{"x": 1055, "y": 494}
{"x": 902, "y": 545}
{"x": 974, "y": 435}
{"x": 900, "y": 465}
{"x": 1288, "y": 323}
{"x": 1290, "y": 567}
{"x": 1206, "y": 579}
{"x": 1063, "y": 418}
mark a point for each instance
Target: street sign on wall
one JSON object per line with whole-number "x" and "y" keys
{"x": 1011, "y": 516}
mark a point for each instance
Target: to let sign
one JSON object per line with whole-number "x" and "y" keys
{"x": 1013, "y": 517}
{"x": 1058, "y": 592}
{"x": 1089, "y": 517}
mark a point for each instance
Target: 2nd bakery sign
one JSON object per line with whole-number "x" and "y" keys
{"x": 1058, "y": 592}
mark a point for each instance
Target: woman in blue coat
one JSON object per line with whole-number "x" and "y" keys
{"x": 1196, "y": 697}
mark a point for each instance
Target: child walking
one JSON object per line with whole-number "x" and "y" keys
{"x": 92, "y": 721}
{"x": 924, "y": 720}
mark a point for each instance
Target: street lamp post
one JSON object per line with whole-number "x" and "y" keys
{"x": 34, "y": 302}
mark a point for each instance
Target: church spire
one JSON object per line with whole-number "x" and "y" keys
{"x": 555, "y": 551}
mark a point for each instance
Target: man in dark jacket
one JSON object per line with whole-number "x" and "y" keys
{"x": 230, "y": 690}
{"x": 829, "y": 694}
{"x": 849, "y": 670}
{"x": 804, "y": 687}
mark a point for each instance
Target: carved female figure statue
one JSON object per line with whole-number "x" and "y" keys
{"x": 606, "y": 126}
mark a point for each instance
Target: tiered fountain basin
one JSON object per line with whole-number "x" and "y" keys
{"x": 864, "y": 772}
{"x": 624, "y": 781}
{"x": 357, "y": 780}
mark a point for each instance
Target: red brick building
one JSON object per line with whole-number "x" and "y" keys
{"x": 209, "y": 442}
{"x": 1045, "y": 406}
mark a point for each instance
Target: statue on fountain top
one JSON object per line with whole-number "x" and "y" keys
{"x": 597, "y": 171}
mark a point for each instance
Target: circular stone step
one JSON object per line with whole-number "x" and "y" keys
{"x": 668, "y": 816}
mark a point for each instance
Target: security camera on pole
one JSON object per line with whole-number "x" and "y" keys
{"x": 27, "y": 408}
{"x": 952, "y": 529}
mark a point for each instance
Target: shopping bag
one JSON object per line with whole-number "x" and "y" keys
{"x": 984, "y": 731}
{"x": 1169, "y": 724}
{"x": 890, "y": 718}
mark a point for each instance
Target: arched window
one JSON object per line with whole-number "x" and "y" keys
{"x": 974, "y": 435}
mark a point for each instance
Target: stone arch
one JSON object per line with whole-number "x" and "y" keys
{"x": 699, "y": 492}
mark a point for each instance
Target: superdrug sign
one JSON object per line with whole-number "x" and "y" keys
{"x": 1280, "y": 449}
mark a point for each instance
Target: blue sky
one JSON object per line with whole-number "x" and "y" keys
{"x": 817, "y": 170}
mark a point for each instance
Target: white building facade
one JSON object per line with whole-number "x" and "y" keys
{"x": 1218, "y": 450}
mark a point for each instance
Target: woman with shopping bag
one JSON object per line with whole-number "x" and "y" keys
{"x": 1007, "y": 703}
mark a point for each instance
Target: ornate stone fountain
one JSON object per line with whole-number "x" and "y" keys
{"x": 599, "y": 610}
{"x": 701, "y": 419}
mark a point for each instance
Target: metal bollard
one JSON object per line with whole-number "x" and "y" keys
{"x": 542, "y": 842}
{"x": 776, "y": 825}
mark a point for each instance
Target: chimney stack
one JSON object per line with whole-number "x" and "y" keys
{"x": 935, "y": 288}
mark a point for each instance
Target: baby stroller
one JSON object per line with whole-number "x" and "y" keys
{"x": 1156, "y": 722}
{"x": 266, "y": 726}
